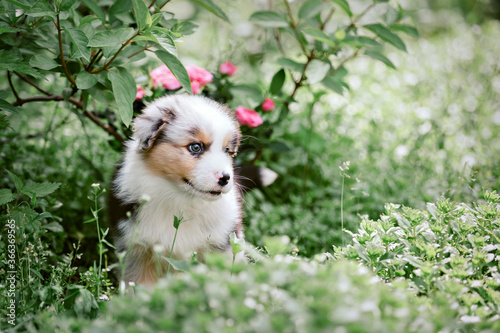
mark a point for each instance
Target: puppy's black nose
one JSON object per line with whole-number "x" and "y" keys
{"x": 224, "y": 179}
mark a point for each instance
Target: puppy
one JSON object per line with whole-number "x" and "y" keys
{"x": 179, "y": 162}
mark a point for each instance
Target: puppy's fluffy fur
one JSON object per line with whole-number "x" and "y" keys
{"x": 179, "y": 161}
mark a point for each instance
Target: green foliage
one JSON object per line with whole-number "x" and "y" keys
{"x": 448, "y": 252}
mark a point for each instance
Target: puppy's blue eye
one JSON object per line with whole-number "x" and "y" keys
{"x": 196, "y": 148}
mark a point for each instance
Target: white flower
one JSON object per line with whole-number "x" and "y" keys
{"x": 96, "y": 185}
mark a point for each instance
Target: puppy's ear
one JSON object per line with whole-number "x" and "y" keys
{"x": 148, "y": 129}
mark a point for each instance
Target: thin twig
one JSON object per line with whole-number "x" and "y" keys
{"x": 293, "y": 25}
{"x": 108, "y": 63}
{"x": 61, "y": 52}
{"x": 38, "y": 134}
{"x": 9, "y": 77}
{"x": 25, "y": 79}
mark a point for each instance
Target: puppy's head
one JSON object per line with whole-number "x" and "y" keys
{"x": 190, "y": 141}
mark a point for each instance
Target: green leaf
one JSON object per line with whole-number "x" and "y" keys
{"x": 310, "y": 9}
{"x": 290, "y": 64}
{"x": 41, "y": 8}
{"x": 269, "y": 19}
{"x": 407, "y": 29}
{"x": 386, "y": 35}
{"x": 317, "y": 70}
{"x": 54, "y": 227}
{"x": 41, "y": 189}
{"x": 277, "y": 82}
{"x": 6, "y": 196}
{"x": 124, "y": 91}
{"x": 142, "y": 15}
{"x": 332, "y": 83}
{"x": 85, "y": 80}
{"x": 79, "y": 41}
{"x": 361, "y": 41}
{"x": 176, "y": 67}
{"x": 319, "y": 35}
{"x": 64, "y": 5}
{"x": 6, "y": 106}
{"x": 13, "y": 61}
{"x": 379, "y": 56}
{"x": 212, "y": 8}
{"x": 279, "y": 147}
{"x": 179, "y": 265}
{"x": 111, "y": 38}
{"x": 344, "y": 5}
{"x": 96, "y": 9}
{"x": 236, "y": 243}
{"x": 391, "y": 15}
{"x": 44, "y": 62}
{"x": 17, "y": 182}
{"x": 4, "y": 122}
{"x": 162, "y": 37}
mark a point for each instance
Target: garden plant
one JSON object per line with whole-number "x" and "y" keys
{"x": 381, "y": 119}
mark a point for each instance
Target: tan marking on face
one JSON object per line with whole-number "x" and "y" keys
{"x": 170, "y": 161}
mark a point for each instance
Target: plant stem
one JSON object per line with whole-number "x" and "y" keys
{"x": 61, "y": 52}
{"x": 342, "y": 210}
{"x": 110, "y": 61}
{"x": 172, "y": 249}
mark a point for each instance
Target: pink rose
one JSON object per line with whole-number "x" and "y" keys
{"x": 227, "y": 68}
{"x": 268, "y": 105}
{"x": 164, "y": 76}
{"x": 248, "y": 117}
{"x": 140, "y": 93}
{"x": 200, "y": 75}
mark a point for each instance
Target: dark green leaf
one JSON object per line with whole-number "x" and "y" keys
{"x": 278, "y": 147}
{"x": 6, "y": 106}
{"x": 4, "y": 122}
{"x": 41, "y": 8}
{"x": 6, "y": 28}
{"x": 379, "y": 56}
{"x": 177, "y": 69}
{"x": 317, "y": 70}
{"x": 6, "y": 196}
{"x": 54, "y": 227}
{"x": 65, "y": 4}
{"x": 13, "y": 61}
{"x": 310, "y": 9}
{"x": 79, "y": 41}
{"x": 319, "y": 35}
{"x": 22, "y": 4}
{"x": 96, "y": 9}
{"x": 213, "y": 8}
{"x": 407, "y": 29}
{"x": 85, "y": 80}
{"x": 41, "y": 189}
{"x": 277, "y": 82}
{"x": 44, "y": 62}
{"x": 269, "y": 19}
{"x": 124, "y": 91}
{"x": 344, "y": 5}
{"x": 290, "y": 64}
{"x": 17, "y": 182}
{"x": 386, "y": 35}
{"x": 142, "y": 15}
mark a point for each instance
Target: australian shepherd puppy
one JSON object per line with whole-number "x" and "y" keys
{"x": 179, "y": 162}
